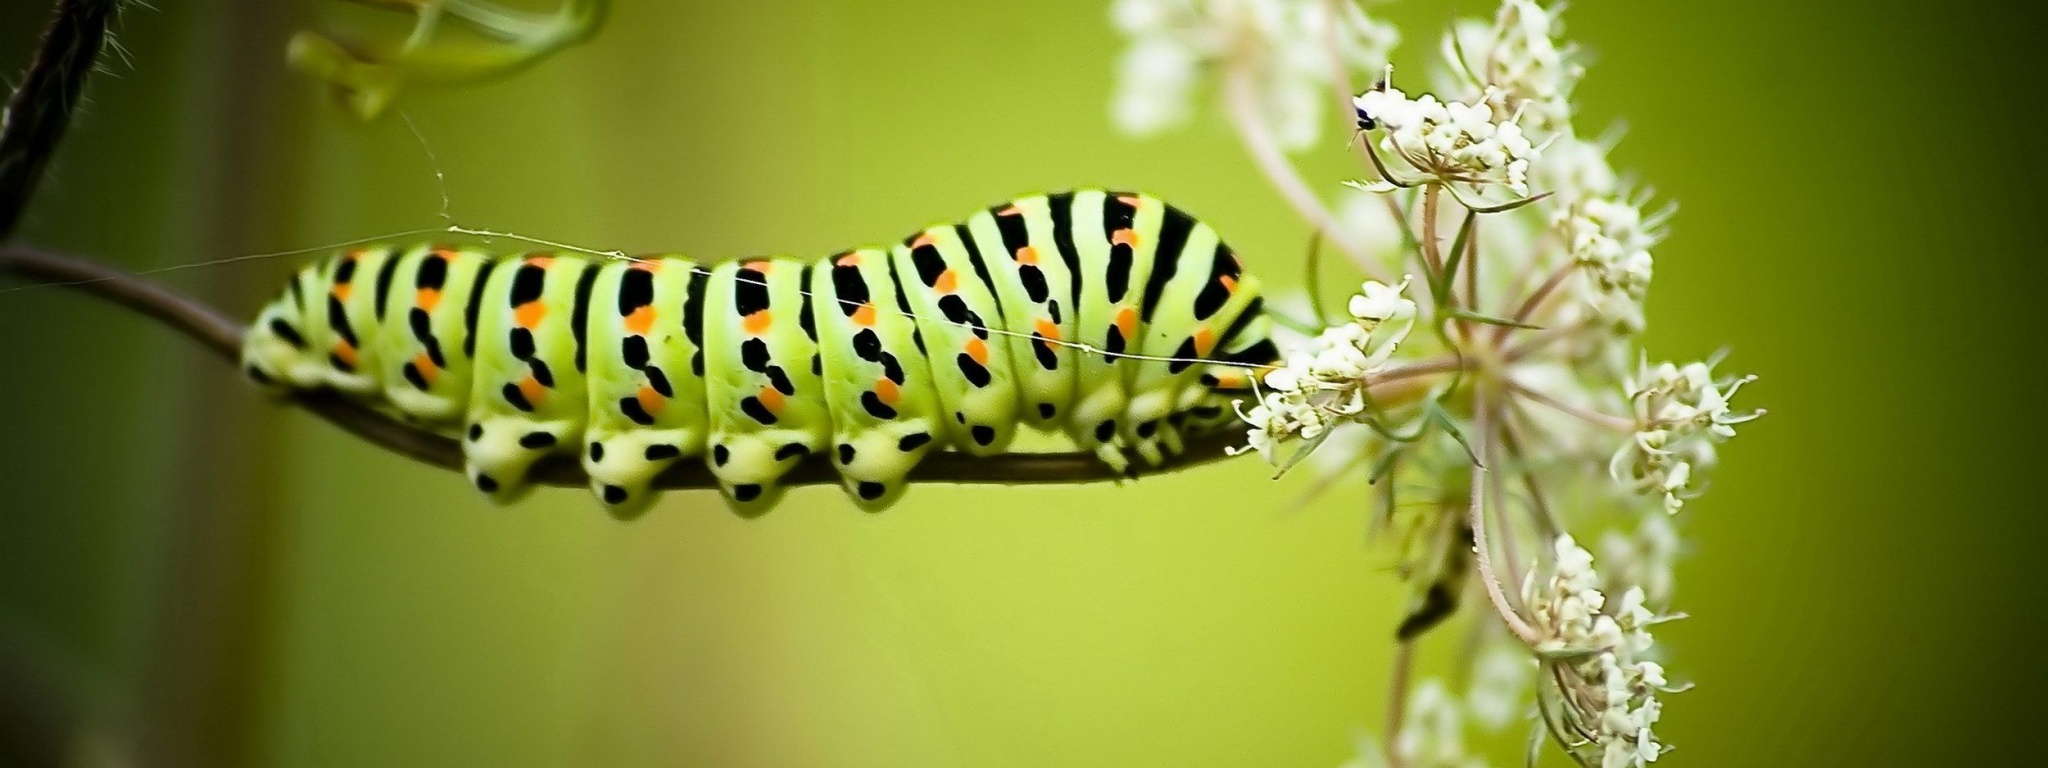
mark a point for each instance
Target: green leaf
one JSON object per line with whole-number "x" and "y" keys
{"x": 1384, "y": 465}
{"x": 1441, "y": 290}
{"x": 1302, "y": 452}
{"x": 1313, "y": 280}
{"x": 1442, "y": 418}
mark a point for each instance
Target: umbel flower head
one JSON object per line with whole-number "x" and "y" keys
{"x": 1450, "y": 142}
{"x": 1499, "y": 400}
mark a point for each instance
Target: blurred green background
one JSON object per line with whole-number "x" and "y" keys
{"x": 228, "y": 582}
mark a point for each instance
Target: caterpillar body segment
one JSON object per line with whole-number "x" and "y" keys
{"x": 887, "y": 412}
{"x": 1109, "y": 316}
{"x": 425, "y": 323}
{"x": 956, "y": 310}
{"x": 766, "y": 399}
{"x": 528, "y": 398}
{"x": 648, "y": 406}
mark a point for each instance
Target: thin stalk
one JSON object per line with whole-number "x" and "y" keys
{"x": 1512, "y": 441}
{"x": 1481, "y": 544}
{"x": 1596, "y": 418}
{"x": 1535, "y": 300}
{"x": 1397, "y": 701}
{"x": 1241, "y": 99}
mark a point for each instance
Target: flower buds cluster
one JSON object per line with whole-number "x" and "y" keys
{"x": 1450, "y": 141}
{"x": 1324, "y": 382}
{"x": 1609, "y": 240}
{"x": 1680, "y": 413}
{"x": 1605, "y": 687}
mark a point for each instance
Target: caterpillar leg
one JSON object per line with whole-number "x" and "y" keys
{"x": 955, "y": 310}
{"x": 278, "y": 351}
{"x": 888, "y": 414}
{"x": 528, "y": 398}
{"x": 767, "y": 405}
{"x": 646, "y": 382}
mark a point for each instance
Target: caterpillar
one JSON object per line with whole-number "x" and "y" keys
{"x": 1110, "y": 316}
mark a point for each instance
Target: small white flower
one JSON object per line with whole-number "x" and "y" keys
{"x": 1609, "y": 240}
{"x": 1322, "y": 384}
{"x": 1451, "y": 142}
{"x": 1680, "y": 413}
{"x": 1596, "y": 661}
{"x": 1518, "y": 63}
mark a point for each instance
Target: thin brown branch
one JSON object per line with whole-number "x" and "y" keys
{"x": 223, "y": 337}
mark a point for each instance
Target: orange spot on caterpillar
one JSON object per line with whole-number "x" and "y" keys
{"x": 977, "y": 349}
{"x": 924, "y": 239}
{"x": 1048, "y": 329}
{"x": 849, "y": 260}
{"x": 757, "y": 323}
{"x": 346, "y": 352}
{"x": 1127, "y": 321}
{"x": 1232, "y": 381}
{"x": 1027, "y": 255}
{"x": 886, "y": 391}
{"x": 540, "y": 260}
{"x": 1229, "y": 283}
{"x": 530, "y": 314}
{"x": 1009, "y": 210}
{"x": 646, "y": 263}
{"x": 428, "y": 370}
{"x": 1125, "y": 236}
{"x": 650, "y": 401}
{"x": 531, "y": 388}
{"x": 947, "y": 283}
{"x": 757, "y": 266}
{"x": 772, "y": 399}
{"x": 1130, "y": 200}
{"x": 642, "y": 320}
{"x": 342, "y": 291}
{"x": 1205, "y": 341}
{"x": 427, "y": 299}
{"x": 865, "y": 315}
{"x": 444, "y": 251}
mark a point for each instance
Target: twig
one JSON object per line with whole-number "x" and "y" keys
{"x": 223, "y": 337}
{"x": 40, "y": 110}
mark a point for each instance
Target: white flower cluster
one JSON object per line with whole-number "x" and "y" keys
{"x": 1604, "y": 687}
{"x": 1520, "y": 62}
{"x": 1324, "y": 383}
{"x": 1610, "y": 240}
{"x": 1450, "y": 141}
{"x": 1680, "y": 413}
{"x": 1284, "y": 44}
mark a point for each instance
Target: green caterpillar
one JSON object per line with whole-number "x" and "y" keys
{"x": 1111, "y": 316}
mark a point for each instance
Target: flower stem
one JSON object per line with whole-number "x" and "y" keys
{"x": 1481, "y": 546}
{"x": 1241, "y": 98}
{"x": 1397, "y": 701}
{"x": 1596, "y": 418}
{"x": 1535, "y": 300}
